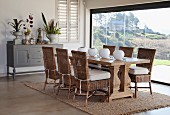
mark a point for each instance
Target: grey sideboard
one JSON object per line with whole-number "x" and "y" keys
{"x": 25, "y": 56}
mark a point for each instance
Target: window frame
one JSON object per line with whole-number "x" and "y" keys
{"x": 145, "y": 6}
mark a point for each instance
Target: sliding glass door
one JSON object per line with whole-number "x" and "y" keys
{"x": 136, "y": 28}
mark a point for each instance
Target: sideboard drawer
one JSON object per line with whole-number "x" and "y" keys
{"x": 36, "y": 53}
{"x": 36, "y": 56}
{"x": 36, "y": 50}
{"x": 37, "y": 62}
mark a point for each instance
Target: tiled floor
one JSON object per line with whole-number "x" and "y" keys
{"x": 17, "y": 99}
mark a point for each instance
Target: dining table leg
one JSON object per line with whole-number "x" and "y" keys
{"x": 124, "y": 78}
{"x": 114, "y": 81}
{"x": 119, "y": 86}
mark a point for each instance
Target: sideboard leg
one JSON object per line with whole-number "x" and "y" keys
{"x": 7, "y": 72}
{"x": 14, "y": 71}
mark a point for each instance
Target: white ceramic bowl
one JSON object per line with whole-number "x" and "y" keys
{"x": 118, "y": 54}
{"x": 92, "y": 51}
{"x": 104, "y": 53}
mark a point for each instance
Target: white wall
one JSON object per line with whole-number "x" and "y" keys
{"x": 20, "y": 9}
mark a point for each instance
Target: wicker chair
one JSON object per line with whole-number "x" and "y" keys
{"x": 65, "y": 71}
{"x": 111, "y": 48}
{"x": 127, "y": 50}
{"x": 50, "y": 65}
{"x": 88, "y": 81}
{"x": 142, "y": 72}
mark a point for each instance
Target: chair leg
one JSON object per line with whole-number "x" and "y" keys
{"x": 109, "y": 92}
{"x": 59, "y": 86}
{"x": 54, "y": 85}
{"x": 45, "y": 83}
{"x": 87, "y": 94}
{"x": 58, "y": 89}
{"x": 150, "y": 87}
{"x": 75, "y": 91}
{"x": 136, "y": 89}
{"x": 69, "y": 87}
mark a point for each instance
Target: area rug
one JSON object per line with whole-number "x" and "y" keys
{"x": 124, "y": 106}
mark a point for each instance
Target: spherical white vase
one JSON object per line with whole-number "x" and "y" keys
{"x": 92, "y": 51}
{"x": 104, "y": 53}
{"x": 53, "y": 38}
{"x": 82, "y": 49}
{"x": 118, "y": 54}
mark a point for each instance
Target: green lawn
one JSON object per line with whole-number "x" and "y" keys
{"x": 161, "y": 62}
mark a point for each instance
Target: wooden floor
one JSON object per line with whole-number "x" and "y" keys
{"x": 17, "y": 99}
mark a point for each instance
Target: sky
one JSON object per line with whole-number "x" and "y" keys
{"x": 156, "y": 19}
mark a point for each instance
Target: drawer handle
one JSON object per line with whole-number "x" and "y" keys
{"x": 28, "y": 56}
{"x": 38, "y": 51}
{"x": 38, "y": 61}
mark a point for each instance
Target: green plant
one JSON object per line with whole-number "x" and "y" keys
{"x": 27, "y": 31}
{"x": 16, "y": 25}
{"x": 51, "y": 27}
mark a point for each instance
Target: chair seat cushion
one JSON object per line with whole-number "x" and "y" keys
{"x": 95, "y": 74}
{"x": 96, "y": 66}
{"x": 138, "y": 70}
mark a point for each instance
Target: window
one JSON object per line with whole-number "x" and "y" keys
{"x": 68, "y": 18}
{"x": 136, "y": 26}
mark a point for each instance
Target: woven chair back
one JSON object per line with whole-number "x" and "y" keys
{"x": 63, "y": 61}
{"x": 127, "y": 50}
{"x": 49, "y": 62}
{"x": 80, "y": 64}
{"x": 144, "y": 53}
{"x": 111, "y": 48}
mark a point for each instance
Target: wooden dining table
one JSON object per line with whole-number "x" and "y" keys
{"x": 119, "y": 86}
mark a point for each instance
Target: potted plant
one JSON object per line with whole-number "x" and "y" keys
{"x": 52, "y": 30}
{"x": 17, "y": 26}
{"x": 28, "y": 24}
